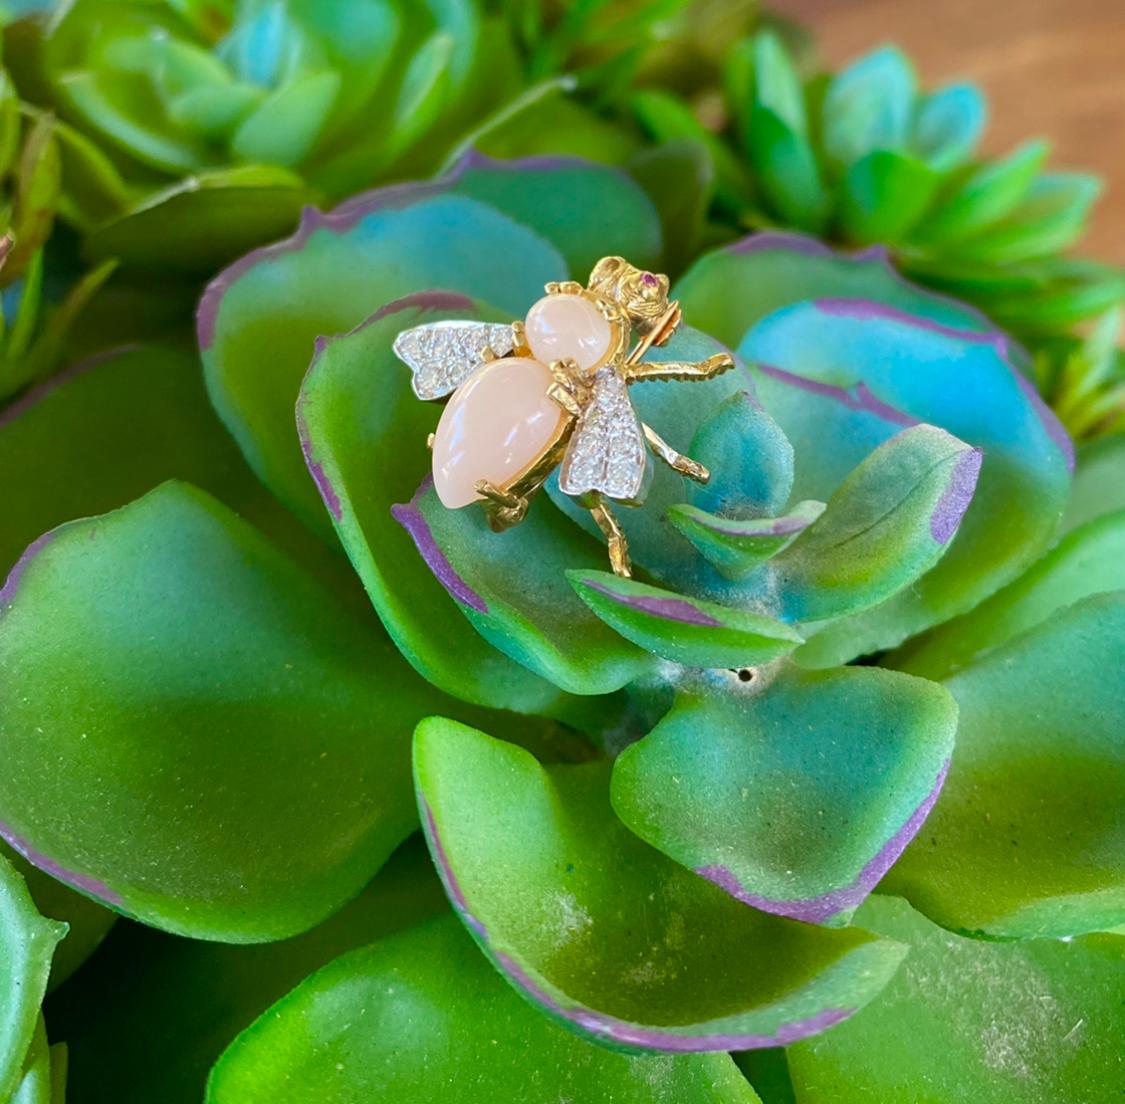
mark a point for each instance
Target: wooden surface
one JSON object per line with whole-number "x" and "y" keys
{"x": 1054, "y": 68}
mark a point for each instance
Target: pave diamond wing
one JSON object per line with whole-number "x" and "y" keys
{"x": 442, "y": 355}
{"x": 607, "y": 452}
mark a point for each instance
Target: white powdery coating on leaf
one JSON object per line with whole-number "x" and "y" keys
{"x": 442, "y": 355}
{"x": 607, "y": 453}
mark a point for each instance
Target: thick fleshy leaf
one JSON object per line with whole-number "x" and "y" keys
{"x": 860, "y": 363}
{"x": 27, "y": 942}
{"x": 737, "y": 546}
{"x": 869, "y": 106}
{"x": 989, "y": 193}
{"x": 788, "y": 172}
{"x": 259, "y": 319}
{"x": 1050, "y": 217}
{"x": 203, "y": 222}
{"x": 107, "y": 430}
{"x": 1028, "y": 839}
{"x": 513, "y": 588}
{"x": 421, "y": 1016}
{"x": 586, "y": 210}
{"x": 1098, "y": 486}
{"x": 679, "y": 412}
{"x": 1089, "y": 560}
{"x": 796, "y": 795}
{"x": 726, "y": 292}
{"x": 889, "y": 522}
{"x": 35, "y": 1080}
{"x": 684, "y": 630}
{"x": 1037, "y": 1022}
{"x": 884, "y": 194}
{"x": 276, "y": 781}
{"x": 948, "y": 125}
{"x": 749, "y": 458}
{"x": 603, "y": 932}
{"x": 87, "y": 922}
{"x": 283, "y": 128}
{"x": 168, "y": 1007}
{"x": 364, "y": 434}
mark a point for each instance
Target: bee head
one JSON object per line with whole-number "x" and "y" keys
{"x": 643, "y": 296}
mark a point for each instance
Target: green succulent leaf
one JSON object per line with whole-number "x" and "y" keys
{"x": 111, "y": 427}
{"x": 888, "y": 523}
{"x": 706, "y": 414}
{"x": 275, "y": 783}
{"x": 865, "y": 371}
{"x": 684, "y": 630}
{"x": 364, "y": 433}
{"x": 884, "y": 194}
{"x": 168, "y": 1007}
{"x": 27, "y": 942}
{"x": 422, "y": 1016}
{"x": 736, "y": 546}
{"x": 794, "y": 794}
{"x": 749, "y": 458}
{"x": 1089, "y": 560}
{"x": 284, "y": 127}
{"x": 35, "y": 1082}
{"x": 203, "y": 222}
{"x": 1027, "y": 841}
{"x": 1036, "y": 1022}
{"x": 513, "y": 589}
{"x": 87, "y": 923}
{"x": 1098, "y": 486}
{"x": 869, "y": 106}
{"x": 729, "y": 290}
{"x": 601, "y": 931}
{"x": 989, "y": 192}
{"x": 1050, "y": 217}
{"x": 948, "y": 125}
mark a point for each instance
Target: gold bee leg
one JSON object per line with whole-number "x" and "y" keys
{"x": 615, "y": 539}
{"x": 685, "y": 465}
{"x": 564, "y": 287}
{"x": 504, "y": 509}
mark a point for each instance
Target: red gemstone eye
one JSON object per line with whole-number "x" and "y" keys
{"x": 648, "y": 280}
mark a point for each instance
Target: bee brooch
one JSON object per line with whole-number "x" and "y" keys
{"x": 551, "y": 390}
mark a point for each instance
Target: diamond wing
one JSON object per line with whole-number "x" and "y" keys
{"x": 442, "y": 355}
{"x": 607, "y": 452}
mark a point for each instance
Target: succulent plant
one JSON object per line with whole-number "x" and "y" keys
{"x": 220, "y": 119}
{"x": 831, "y": 784}
{"x": 866, "y": 158}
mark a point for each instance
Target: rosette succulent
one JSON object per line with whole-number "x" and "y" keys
{"x": 867, "y": 158}
{"x": 832, "y": 785}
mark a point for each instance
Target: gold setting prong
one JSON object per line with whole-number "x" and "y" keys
{"x": 430, "y": 441}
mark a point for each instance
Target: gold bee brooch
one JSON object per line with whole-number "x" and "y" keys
{"x": 551, "y": 390}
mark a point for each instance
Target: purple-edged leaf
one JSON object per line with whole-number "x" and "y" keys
{"x": 585, "y": 209}
{"x": 1089, "y": 560}
{"x": 604, "y": 933}
{"x": 1028, "y": 839}
{"x": 108, "y": 429}
{"x": 421, "y": 1016}
{"x": 677, "y": 411}
{"x": 736, "y": 546}
{"x": 889, "y": 522}
{"x": 259, "y": 320}
{"x": 512, "y": 586}
{"x": 684, "y": 630}
{"x": 750, "y": 461}
{"x": 833, "y": 370}
{"x": 1038, "y": 1022}
{"x": 27, "y": 942}
{"x": 728, "y": 291}
{"x": 364, "y": 435}
{"x": 798, "y": 795}
{"x": 228, "y": 741}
